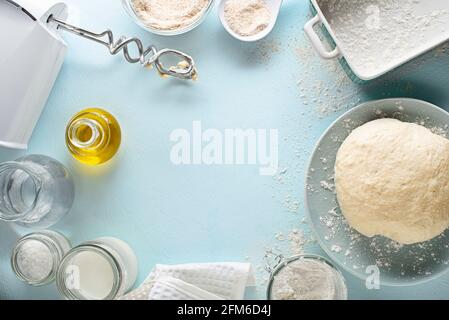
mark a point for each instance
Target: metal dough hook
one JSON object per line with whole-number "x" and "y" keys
{"x": 148, "y": 57}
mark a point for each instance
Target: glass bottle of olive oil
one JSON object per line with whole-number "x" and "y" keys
{"x": 93, "y": 136}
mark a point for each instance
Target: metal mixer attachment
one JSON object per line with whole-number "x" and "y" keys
{"x": 148, "y": 57}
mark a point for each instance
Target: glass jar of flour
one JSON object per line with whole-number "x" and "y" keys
{"x": 304, "y": 277}
{"x": 102, "y": 269}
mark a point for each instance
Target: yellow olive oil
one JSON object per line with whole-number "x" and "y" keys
{"x": 93, "y": 136}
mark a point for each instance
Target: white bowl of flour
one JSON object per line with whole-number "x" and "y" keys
{"x": 249, "y": 20}
{"x": 168, "y": 17}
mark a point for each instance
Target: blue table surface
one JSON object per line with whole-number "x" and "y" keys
{"x": 179, "y": 214}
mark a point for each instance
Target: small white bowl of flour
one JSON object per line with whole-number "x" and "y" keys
{"x": 168, "y": 17}
{"x": 249, "y": 20}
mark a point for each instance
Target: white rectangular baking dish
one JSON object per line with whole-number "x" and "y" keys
{"x": 376, "y": 36}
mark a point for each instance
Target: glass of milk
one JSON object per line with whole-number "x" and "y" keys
{"x": 102, "y": 269}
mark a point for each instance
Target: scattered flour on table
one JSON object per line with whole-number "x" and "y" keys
{"x": 285, "y": 191}
{"x": 323, "y": 85}
{"x": 264, "y": 50}
{"x": 169, "y": 14}
{"x": 295, "y": 241}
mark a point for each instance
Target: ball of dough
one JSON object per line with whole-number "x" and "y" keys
{"x": 392, "y": 179}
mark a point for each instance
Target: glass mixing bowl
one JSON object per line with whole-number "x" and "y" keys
{"x": 397, "y": 265}
{"x": 127, "y": 4}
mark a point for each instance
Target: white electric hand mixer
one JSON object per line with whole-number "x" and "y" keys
{"x": 32, "y": 53}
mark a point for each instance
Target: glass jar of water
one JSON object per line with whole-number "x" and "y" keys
{"x": 35, "y": 191}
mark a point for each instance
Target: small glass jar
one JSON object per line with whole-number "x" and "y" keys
{"x": 102, "y": 269}
{"x": 36, "y": 257}
{"x": 35, "y": 191}
{"x": 335, "y": 282}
